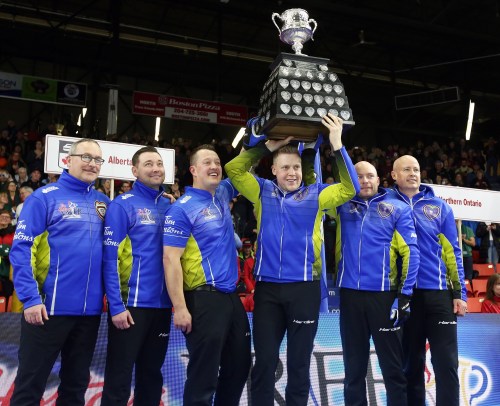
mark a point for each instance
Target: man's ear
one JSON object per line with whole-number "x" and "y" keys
{"x": 273, "y": 169}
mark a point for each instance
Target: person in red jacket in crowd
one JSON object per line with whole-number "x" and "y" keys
{"x": 246, "y": 281}
{"x": 6, "y": 237}
{"x": 491, "y": 303}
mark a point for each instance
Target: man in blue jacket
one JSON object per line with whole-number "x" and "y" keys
{"x": 373, "y": 231}
{"x": 288, "y": 261}
{"x": 57, "y": 257}
{"x": 139, "y": 307}
{"x": 201, "y": 271}
{"x": 439, "y": 295}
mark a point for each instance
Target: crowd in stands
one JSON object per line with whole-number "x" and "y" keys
{"x": 448, "y": 162}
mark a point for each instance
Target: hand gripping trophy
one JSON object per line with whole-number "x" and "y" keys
{"x": 301, "y": 89}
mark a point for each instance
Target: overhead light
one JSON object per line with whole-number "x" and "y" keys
{"x": 157, "y": 128}
{"x": 469, "y": 120}
{"x": 238, "y": 137}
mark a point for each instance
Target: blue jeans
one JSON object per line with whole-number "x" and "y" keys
{"x": 493, "y": 255}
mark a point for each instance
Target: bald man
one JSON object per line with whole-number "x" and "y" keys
{"x": 439, "y": 295}
{"x": 373, "y": 230}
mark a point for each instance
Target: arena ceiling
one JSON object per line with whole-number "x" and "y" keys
{"x": 379, "y": 48}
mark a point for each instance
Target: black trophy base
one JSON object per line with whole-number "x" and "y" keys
{"x": 279, "y": 128}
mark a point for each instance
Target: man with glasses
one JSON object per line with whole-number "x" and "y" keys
{"x": 56, "y": 256}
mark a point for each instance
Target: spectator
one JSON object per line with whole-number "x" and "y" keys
{"x": 125, "y": 187}
{"x": 288, "y": 265}
{"x": 4, "y": 180}
{"x": 36, "y": 157}
{"x": 480, "y": 182}
{"x": 440, "y": 295}
{"x": 201, "y": 272}
{"x": 24, "y": 192}
{"x": 21, "y": 176}
{"x": 6, "y": 239}
{"x": 468, "y": 242}
{"x": 489, "y": 233}
{"x": 65, "y": 224}
{"x": 15, "y": 162}
{"x": 13, "y": 196}
{"x": 35, "y": 180}
{"x": 491, "y": 303}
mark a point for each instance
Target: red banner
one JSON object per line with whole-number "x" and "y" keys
{"x": 189, "y": 109}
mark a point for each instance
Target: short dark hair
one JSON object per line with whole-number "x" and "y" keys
{"x": 209, "y": 147}
{"x": 139, "y": 152}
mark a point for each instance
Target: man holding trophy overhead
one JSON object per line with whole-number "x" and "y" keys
{"x": 288, "y": 260}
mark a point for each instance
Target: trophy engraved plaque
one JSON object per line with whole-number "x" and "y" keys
{"x": 301, "y": 89}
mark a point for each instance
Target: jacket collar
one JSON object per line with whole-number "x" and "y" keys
{"x": 142, "y": 189}
{"x": 70, "y": 182}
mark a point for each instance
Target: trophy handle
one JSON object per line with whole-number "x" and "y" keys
{"x": 315, "y": 26}
{"x": 274, "y": 21}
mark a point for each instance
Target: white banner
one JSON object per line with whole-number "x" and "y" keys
{"x": 117, "y": 158}
{"x": 471, "y": 204}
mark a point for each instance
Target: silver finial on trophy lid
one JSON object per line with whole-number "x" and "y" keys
{"x": 296, "y": 29}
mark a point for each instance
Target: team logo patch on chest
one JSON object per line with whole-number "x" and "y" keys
{"x": 100, "y": 209}
{"x": 145, "y": 216}
{"x": 384, "y": 209}
{"x": 70, "y": 211}
{"x": 431, "y": 211}
{"x": 301, "y": 195}
{"x": 208, "y": 214}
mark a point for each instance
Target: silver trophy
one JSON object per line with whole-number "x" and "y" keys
{"x": 296, "y": 29}
{"x": 301, "y": 89}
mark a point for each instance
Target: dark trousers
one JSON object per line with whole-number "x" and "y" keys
{"x": 219, "y": 349}
{"x": 72, "y": 336}
{"x": 364, "y": 314}
{"x": 144, "y": 345}
{"x": 432, "y": 318}
{"x": 284, "y": 307}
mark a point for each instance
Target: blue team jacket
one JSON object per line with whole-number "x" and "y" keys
{"x": 441, "y": 265}
{"x": 201, "y": 223}
{"x": 57, "y": 249}
{"x": 133, "y": 250}
{"x": 289, "y": 224}
{"x": 371, "y": 234}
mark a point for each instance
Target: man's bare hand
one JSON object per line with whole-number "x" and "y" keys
{"x": 273, "y": 145}
{"x": 182, "y": 320}
{"x": 122, "y": 320}
{"x": 334, "y": 125}
{"x": 36, "y": 315}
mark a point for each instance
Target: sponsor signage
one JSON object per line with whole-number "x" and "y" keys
{"x": 117, "y": 158}
{"x": 471, "y": 204}
{"x": 44, "y": 90}
{"x": 478, "y": 369}
{"x": 181, "y": 108}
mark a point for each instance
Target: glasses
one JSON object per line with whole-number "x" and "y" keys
{"x": 6, "y": 218}
{"x": 88, "y": 158}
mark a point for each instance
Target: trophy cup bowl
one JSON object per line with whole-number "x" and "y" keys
{"x": 301, "y": 89}
{"x": 296, "y": 29}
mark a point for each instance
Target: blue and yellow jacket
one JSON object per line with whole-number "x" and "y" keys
{"x": 201, "y": 223}
{"x": 371, "y": 234}
{"x": 57, "y": 250}
{"x": 133, "y": 250}
{"x": 441, "y": 265}
{"x": 290, "y": 235}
